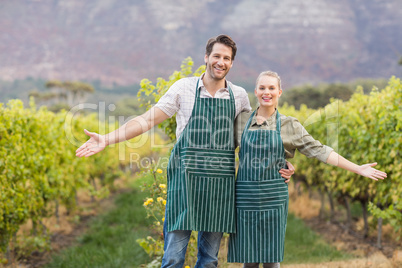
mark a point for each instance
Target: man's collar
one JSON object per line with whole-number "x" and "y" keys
{"x": 201, "y": 84}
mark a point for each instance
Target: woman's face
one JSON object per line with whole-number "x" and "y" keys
{"x": 267, "y": 91}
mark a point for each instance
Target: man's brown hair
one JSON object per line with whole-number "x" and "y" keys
{"x": 222, "y": 39}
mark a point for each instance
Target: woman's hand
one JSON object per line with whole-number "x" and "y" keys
{"x": 94, "y": 145}
{"x": 287, "y": 173}
{"x": 372, "y": 173}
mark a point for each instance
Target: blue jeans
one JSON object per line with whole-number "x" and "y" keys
{"x": 176, "y": 245}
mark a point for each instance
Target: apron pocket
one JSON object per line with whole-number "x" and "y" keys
{"x": 209, "y": 178}
{"x": 208, "y": 162}
{"x": 260, "y": 235}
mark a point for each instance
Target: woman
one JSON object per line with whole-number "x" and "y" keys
{"x": 261, "y": 195}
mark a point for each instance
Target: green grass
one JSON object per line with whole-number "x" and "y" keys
{"x": 302, "y": 245}
{"x": 111, "y": 238}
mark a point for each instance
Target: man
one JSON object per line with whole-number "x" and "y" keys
{"x": 201, "y": 170}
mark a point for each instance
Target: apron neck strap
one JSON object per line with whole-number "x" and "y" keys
{"x": 197, "y": 90}
{"x": 249, "y": 120}
{"x": 278, "y": 121}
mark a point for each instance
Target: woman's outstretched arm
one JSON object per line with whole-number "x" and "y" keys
{"x": 366, "y": 170}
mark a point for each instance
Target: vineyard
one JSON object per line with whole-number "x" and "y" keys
{"x": 39, "y": 170}
{"x": 365, "y": 129}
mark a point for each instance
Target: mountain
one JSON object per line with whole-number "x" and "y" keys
{"x": 123, "y": 41}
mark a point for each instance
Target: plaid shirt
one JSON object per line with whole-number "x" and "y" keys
{"x": 180, "y": 99}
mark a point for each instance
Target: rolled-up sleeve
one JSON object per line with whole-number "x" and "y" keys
{"x": 245, "y": 103}
{"x": 169, "y": 103}
{"x": 295, "y": 136}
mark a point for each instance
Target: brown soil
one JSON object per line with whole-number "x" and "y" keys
{"x": 352, "y": 241}
{"x": 64, "y": 233}
{"x": 346, "y": 239}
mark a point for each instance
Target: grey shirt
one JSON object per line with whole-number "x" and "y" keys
{"x": 294, "y": 135}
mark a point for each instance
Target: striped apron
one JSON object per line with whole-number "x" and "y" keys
{"x": 261, "y": 198}
{"x": 201, "y": 170}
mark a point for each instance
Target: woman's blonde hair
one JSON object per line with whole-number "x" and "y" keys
{"x": 272, "y": 74}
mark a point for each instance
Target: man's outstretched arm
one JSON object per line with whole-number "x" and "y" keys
{"x": 129, "y": 130}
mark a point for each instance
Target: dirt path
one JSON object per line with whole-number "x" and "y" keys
{"x": 365, "y": 249}
{"x": 68, "y": 228}
{"x": 374, "y": 261}
{"x": 377, "y": 260}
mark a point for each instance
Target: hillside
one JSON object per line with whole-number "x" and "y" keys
{"x": 124, "y": 41}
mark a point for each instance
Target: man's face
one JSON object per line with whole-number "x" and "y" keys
{"x": 219, "y": 61}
